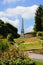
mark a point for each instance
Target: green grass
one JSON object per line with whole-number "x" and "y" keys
{"x": 29, "y": 43}
{"x": 31, "y": 40}
{"x": 30, "y": 46}
{"x": 38, "y": 62}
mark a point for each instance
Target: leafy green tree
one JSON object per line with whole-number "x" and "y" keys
{"x": 42, "y": 22}
{"x": 39, "y": 19}
{"x": 1, "y": 22}
{"x": 6, "y": 28}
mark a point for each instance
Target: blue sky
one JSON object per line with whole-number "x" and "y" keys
{"x": 13, "y": 11}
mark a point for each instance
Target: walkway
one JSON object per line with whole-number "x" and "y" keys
{"x": 35, "y": 56}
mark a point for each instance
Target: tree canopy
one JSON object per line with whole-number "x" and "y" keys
{"x": 6, "y": 28}
{"x": 39, "y": 19}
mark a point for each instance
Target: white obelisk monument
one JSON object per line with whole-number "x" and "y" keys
{"x": 22, "y": 29}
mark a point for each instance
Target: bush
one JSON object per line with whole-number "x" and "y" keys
{"x": 1, "y": 36}
{"x": 40, "y": 35}
{"x": 4, "y": 46}
{"x": 10, "y": 37}
{"x": 18, "y": 61}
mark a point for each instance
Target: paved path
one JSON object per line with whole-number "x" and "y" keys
{"x": 35, "y": 56}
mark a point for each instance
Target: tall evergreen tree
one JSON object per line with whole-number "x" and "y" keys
{"x": 39, "y": 19}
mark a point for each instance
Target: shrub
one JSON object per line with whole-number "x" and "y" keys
{"x": 17, "y": 61}
{"x": 1, "y": 36}
{"x": 40, "y": 35}
{"x": 10, "y": 37}
{"x": 3, "y": 46}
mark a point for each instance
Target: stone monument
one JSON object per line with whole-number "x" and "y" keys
{"x": 22, "y": 29}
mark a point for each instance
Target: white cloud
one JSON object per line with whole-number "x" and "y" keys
{"x": 11, "y": 1}
{"x": 25, "y": 12}
{"x": 14, "y": 23}
{"x": 4, "y": 14}
{"x": 29, "y": 29}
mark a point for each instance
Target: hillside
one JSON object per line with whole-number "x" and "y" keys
{"x": 34, "y": 44}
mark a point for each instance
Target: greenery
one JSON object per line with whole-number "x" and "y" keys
{"x": 30, "y": 46}
{"x": 6, "y": 28}
{"x": 20, "y": 61}
{"x": 9, "y": 55}
{"x": 17, "y": 61}
{"x": 40, "y": 35}
{"x": 39, "y": 19}
{"x": 38, "y": 62}
{"x": 4, "y": 46}
{"x": 10, "y": 37}
{"x": 35, "y": 44}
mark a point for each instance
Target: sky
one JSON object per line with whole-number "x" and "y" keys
{"x": 12, "y": 11}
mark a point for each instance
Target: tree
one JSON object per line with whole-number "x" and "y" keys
{"x": 39, "y": 19}
{"x": 6, "y": 28}
{"x": 1, "y": 22}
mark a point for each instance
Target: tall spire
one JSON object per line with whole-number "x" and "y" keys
{"x": 22, "y": 29}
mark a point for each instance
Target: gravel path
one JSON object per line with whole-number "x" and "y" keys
{"x": 35, "y": 56}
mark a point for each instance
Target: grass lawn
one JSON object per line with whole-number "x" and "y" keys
{"x": 29, "y": 43}
{"x": 38, "y": 62}
{"x": 27, "y": 40}
{"x": 30, "y": 46}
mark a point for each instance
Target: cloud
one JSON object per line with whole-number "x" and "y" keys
{"x": 25, "y": 12}
{"x": 29, "y": 29}
{"x": 12, "y": 1}
{"x": 4, "y": 14}
{"x": 14, "y": 23}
